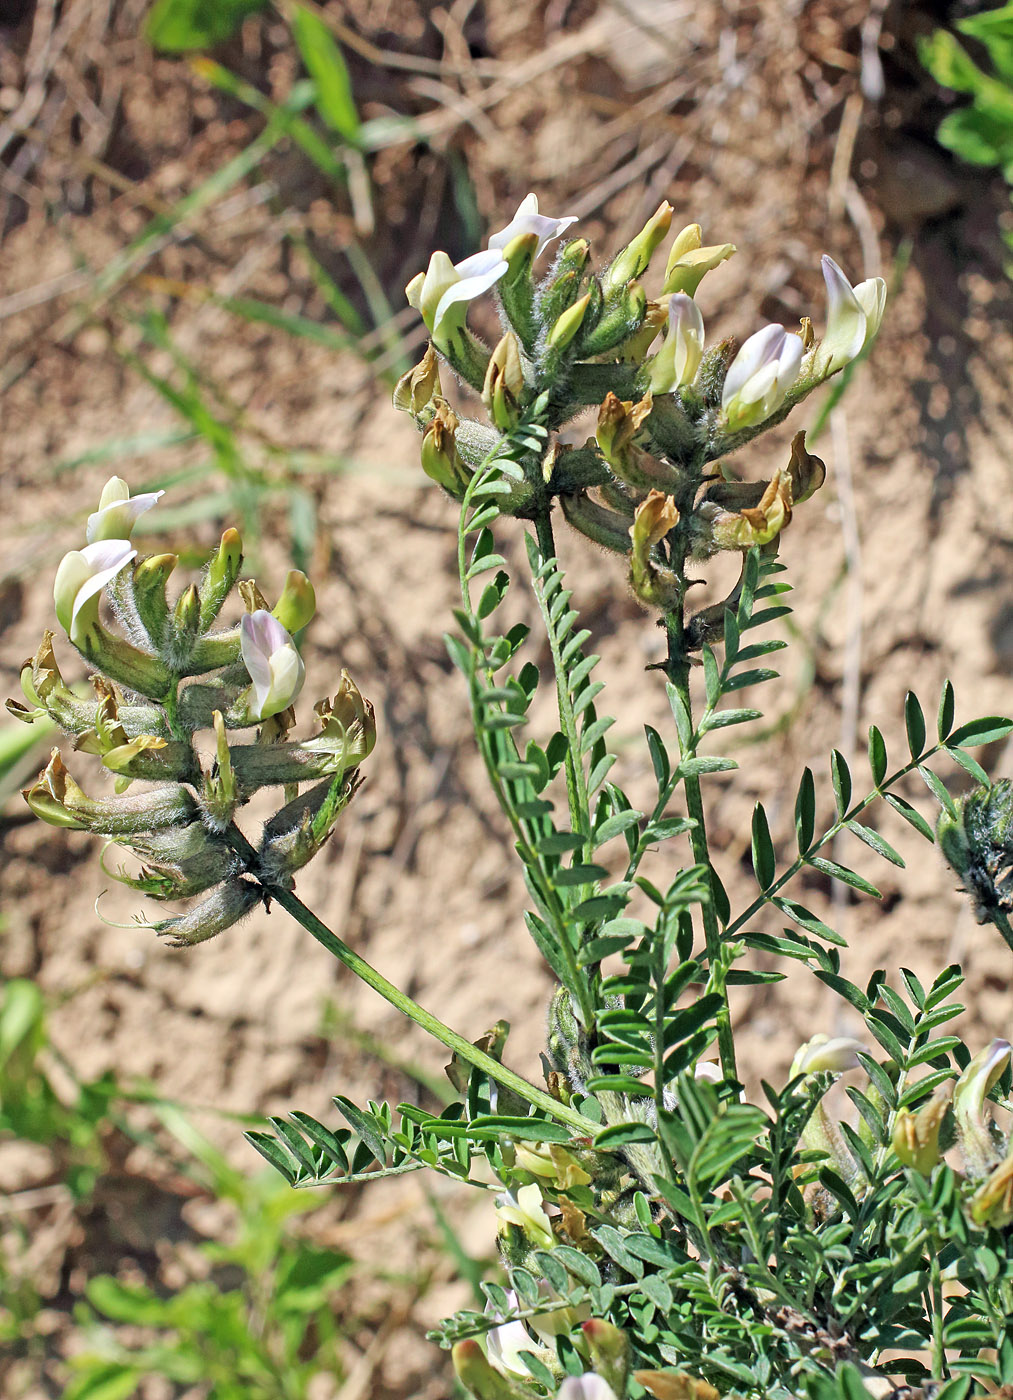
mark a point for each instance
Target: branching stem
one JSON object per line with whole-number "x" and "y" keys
{"x": 461, "y": 1047}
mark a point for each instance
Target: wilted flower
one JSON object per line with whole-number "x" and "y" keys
{"x": 118, "y": 511}
{"x": 760, "y": 376}
{"x": 678, "y": 360}
{"x": 854, "y": 315}
{"x": 528, "y": 220}
{"x": 443, "y": 291}
{"x": 273, "y": 662}
{"x": 80, "y": 579}
{"x": 916, "y": 1135}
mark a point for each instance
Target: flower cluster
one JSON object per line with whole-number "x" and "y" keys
{"x": 650, "y": 484}
{"x": 163, "y": 674}
{"x": 955, "y": 1113}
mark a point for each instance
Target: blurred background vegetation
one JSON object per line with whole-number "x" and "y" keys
{"x": 208, "y": 214}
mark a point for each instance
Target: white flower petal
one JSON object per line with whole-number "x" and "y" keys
{"x": 846, "y": 322}
{"x": 477, "y": 274}
{"x": 116, "y": 518}
{"x": 82, "y": 575}
{"x": 755, "y": 352}
{"x": 528, "y": 220}
{"x": 273, "y": 662}
{"x": 586, "y": 1387}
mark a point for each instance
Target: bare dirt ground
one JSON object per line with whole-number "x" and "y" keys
{"x": 787, "y": 129}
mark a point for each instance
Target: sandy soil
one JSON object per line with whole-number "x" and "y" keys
{"x": 901, "y": 564}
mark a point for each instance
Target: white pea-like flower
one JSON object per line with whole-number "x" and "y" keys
{"x": 444, "y": 291}
{"x": 678, "y": 360}
{"x": 585, "y": 1387}
{"x": 760, "y": 376}
{"x": 118, "y": 511}
{"x": 272, "y": 659}
{"x": 528, "y": 220}
{"x": 80, "y": 579}
{"x": 854, "y": 315}
{"x": 826, "y": 1054}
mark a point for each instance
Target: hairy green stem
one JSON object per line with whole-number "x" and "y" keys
{"x": 461, "y": 1047}
{"x": 677, "y": 670}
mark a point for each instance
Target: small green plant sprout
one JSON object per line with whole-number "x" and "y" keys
{"x": 162, "y": 673}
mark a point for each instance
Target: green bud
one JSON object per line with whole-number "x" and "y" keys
{"x": 480, "y": 1377}
{"x": 978, "y": 842}
{"x": 295, "y": 834}
{"x": 229, "y": 903}
{"x": 185, "y": 624}
{"x": 622, "y": 319}
{"x": 149, "y": 583}
{"x": 604, "y": 526}
{"x": 633, "y": 260}
{"x": 218, "y": 581}
{"x": 610, "y": 1352}
{"x": 503, "y": 391}
{"x": 568, "y": 324}
{"x": 298, "y": 602}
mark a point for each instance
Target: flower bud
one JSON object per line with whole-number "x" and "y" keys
{"x": 150, "y": 578}
{"x": 634, "y": 259}
{"x": 185, "y": 624}
{"x": 80, "y": 579}
{"x": 824, "y": 1054}
{"x": 118, "y": 511}
{"x": 221, "y": 790}
{"x": 220, "y": 577}
{"x": 503, "y": 390}
{"x": 297, "y": 604}
{"x": 760, "y": 376}
{"x": 479, "y": 1377}
{"x": 228, "y": 904}
{"x": 610, "y": 1352}
{"x": 415, "y": 390}
{"x": 551, "y": 1163}
{"x": 568, "y": 324}
{"x": 273, "y": 662}
{"x": 678, "y": 360}
{"x": 916, "y": 1135}
{"x": 688, "y": 261}
{"x": 978, "y": 1141}
{"x": 597, "y": 522}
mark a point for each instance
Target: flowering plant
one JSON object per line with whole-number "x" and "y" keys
{"x": 662, "y": 1233}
